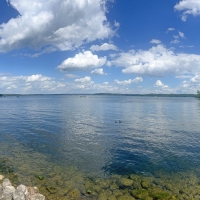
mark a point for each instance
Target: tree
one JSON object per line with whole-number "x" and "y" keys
{"x": 198, "y": 93}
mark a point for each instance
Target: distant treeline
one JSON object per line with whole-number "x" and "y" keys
{"x": 150, "y": 95}
{"x": 111, "y": 94}
{"x": 7, "y": 95}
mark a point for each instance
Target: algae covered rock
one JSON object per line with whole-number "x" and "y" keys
{"x": 112, "y": 197}
{"x": 136, "y": 185}
{"x": 139, "y": 194}
{"x": 159, "y": 194}
{"x": 40, "y": 177}
{"x": 74, "y": 193}
{"x": 102, "y": 196}
{"x": 89, "y": 184}
{"x": 135, "y": 177}
{"x": 104, "y": 183}
{"x": 59, "y": 182}
{"x": 125, "y": 197}
{"x": 117, "y": 192}
{"x": 51, "y": 189}
{"x": 126, "y": 182}
{"x": 97, "y": 188}
{"x": 146, "y": 184}
{"x": 88, "y": 191}
{"x": 114, "y": 187}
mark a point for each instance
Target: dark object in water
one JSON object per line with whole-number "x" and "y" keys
{"x": 118, "y": 121}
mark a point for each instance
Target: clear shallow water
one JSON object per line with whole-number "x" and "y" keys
{"x": 41, "y": 134}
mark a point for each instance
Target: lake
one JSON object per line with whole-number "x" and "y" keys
{"x": 73, "y": 141}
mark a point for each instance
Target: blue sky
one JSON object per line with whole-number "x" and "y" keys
{"x": 93, "y": 46}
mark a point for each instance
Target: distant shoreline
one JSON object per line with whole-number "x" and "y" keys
{"x": 108, "y": 94}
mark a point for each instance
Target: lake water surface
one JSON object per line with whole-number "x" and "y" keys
{"x": 63, "y": 135}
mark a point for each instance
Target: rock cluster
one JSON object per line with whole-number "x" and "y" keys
{"x": 9, "y": 192}
{"x": 73, "y": 186}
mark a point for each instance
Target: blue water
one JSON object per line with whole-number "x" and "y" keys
{"x": 155, "y": 133}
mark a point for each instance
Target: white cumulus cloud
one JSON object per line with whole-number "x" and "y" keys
{"x": 195, "y": 79}
{"x": 154, "y": 41}
{"x": 157, "y": 61}
{"x": 85, "y": 83}
{"x": 137, "y": 80}
{"x": 37, "y": 77}
{"x": 182, "y": 35}
{"x": 103, "y": 47}
{"x": 83, "y": 80}
{"x": 71, "y": 76}
{"x": 82, "y": 61}
{"x": 189, "y": 7}
{"x": 175, "y": 41}
{"x": 98, "y": 71}
{"x": 29, "y": 84}
{"x": 159, "y": 83}
{"x": 129, "y": 81}
{"x": 60, "y": 23}
{"x": 191, "y": 86}
{"x": 170, "y": 29}
{"x": 183, "y": 76}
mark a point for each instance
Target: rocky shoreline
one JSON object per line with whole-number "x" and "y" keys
{"x": 116, "y": 187}
{"x": 21, "y": 192}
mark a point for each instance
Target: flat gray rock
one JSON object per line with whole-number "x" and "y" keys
{"x": 8, "y": 192}
{"x": 6, "y": 182}
{"x": 18, "y": 195}
{"x": 1, "y": 191}
{"x": 6, "y": 196}
{"x": 8, "y": 189}
{"x": 22, "y": 188}
{"x": 36, "y": 197}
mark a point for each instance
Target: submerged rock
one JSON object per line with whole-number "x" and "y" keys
{"x": 112, "y": 197}
{"x": 74, "y": 193}
{"x": 33, "y": 194}
{"x": 125, "y": 197}
{"x": 139, "y": 194}
{"x": 88, "y": 191}
{"x": 114, "y": 187}
{"x": 159, "y": 194}
{"x": 51, "y": 189}
{"x": 146, "y": 184}
{"x": 102, "y": 196}
{"x": 126, "y": 182}
{"x": 40, "y": 177}
{"x": 117, "y": 192}
{"x": 36, "y": 197}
